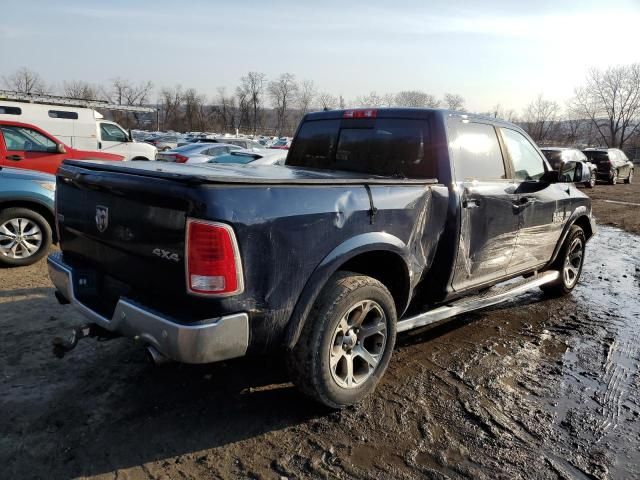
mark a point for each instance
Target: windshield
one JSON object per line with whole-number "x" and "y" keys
{"x": 387, "y": 146}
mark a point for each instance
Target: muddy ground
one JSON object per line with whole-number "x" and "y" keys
{"x": 536, "y": 388}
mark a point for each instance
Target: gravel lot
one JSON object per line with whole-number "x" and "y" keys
{"x": 535, "y": 388}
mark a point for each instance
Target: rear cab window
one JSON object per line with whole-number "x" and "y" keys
{"x": 394, "y": 147}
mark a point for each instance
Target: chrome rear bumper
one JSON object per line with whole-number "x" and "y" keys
{"x": 208, "y": 341}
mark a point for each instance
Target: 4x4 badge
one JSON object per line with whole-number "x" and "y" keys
{"x": 102, "y": 218}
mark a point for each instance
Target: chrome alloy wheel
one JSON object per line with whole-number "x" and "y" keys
{"x": 358, "y": 344}
{"x": 573, "y": 262}
{"x": 20, "y": 238}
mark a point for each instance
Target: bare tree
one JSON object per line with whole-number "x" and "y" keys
{"x": 327, "y": 101}
{"x": 244, "y": 106}
{"x": 453, "y": 101}
{"x": 194, "y": 110}
{"x": 25, "y": 81}
{"x": 610, "y": 99}
{"x": 306, "y": 95}
{"x": 416, "y": 98}
{"x": 498, "y": 111}
{"x": 540, "y": 118}
{"x": 389, "y": 99}
{"x": 125, "y": 92}
{"x": 227, "y": 109}
{"x": 82, "y": 90}
{"x": 170, "y": 102}
{"x": 372, "y": 100}
{"x": 282, "y": 92}
{"x": 253, "y": 85}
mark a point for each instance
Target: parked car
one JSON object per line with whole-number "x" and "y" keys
{"x": 26, "y": 216}
{"x": 280, "y": 145}
{"x": 381, "y": 221}
{"x": 26, "y": 146}
{"x": 242, "y": 142}
{"x": 573, "y": 163}
{"x": 613, "y": 165}
{"x": 251, "y": 157}
{"x": 196, "y": 152}
{"x": 163, "y": 142}
{"x": 78, "y": 127}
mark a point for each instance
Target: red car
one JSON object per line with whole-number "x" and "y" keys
{"x": 26, "y": 146}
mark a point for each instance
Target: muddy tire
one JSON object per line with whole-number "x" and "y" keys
{"x": 569, "y": 263}
{"x": 629, "y": 179}
{"x": 592, "y": 181}
{"x": 346, "y": 342}
{"x": 614, "y": 178}
{"x": 25, "y": 237}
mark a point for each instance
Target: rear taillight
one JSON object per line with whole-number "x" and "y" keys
{"x": 361, "y": 113}
{"x": 180, "y": 158}
{"x": 213, "y": 259}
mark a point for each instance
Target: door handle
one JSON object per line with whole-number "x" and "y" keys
{"x": 471, "y": 203}
{"x": 15, "y": 158}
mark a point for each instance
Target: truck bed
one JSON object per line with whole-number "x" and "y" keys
{"x": 245, "y": 174}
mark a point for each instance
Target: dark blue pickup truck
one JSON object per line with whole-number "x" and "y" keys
{"x": 381, "y": 221}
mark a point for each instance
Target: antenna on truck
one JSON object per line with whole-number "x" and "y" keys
{"x": 70, "y": 102}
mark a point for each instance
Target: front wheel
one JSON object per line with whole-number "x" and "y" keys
{"x": 25, "y": 237}
{"x": 569, "y": 264}
{"x": 346, "y": 342}
{"x": 629, "y": 179}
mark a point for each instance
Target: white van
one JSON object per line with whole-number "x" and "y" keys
{"x": 82, "y": 128}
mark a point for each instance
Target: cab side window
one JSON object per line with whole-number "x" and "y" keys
{"x": 111, "y": 133}
{"x": 26, "y": 140}
{"x": 476, "y": 152}
{"x": 527, "y": 163}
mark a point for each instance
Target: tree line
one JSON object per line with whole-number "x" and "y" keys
{"x": 604, "y": 110}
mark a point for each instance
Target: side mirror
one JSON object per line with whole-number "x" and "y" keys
{"x": 60, "y": 148}
{"x": 130, "y": 136}
{"x": 550, "y": 176}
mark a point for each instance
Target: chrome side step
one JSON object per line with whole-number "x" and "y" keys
{"x": 489, "y": 297}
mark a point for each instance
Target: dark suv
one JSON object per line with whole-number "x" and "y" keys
{"x": 613, "y": 165}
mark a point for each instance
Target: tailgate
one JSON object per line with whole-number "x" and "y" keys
{"x": 125, "y": 231}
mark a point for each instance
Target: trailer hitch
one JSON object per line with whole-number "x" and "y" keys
{"x": 62, "y": 345}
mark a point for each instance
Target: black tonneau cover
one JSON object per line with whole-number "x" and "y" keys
{"x": 241, "y": 174}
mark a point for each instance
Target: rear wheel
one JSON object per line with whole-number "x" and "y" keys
{"x": 569, "y": 264}
{"x": 25, "y": 237}
{"x": 592, "y": 181}
{"x": 347, "y": 341}
{"x": 629, "y": 179}
{"x": 614, "y": 177}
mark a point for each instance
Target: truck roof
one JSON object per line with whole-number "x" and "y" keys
{"x": 407, "y": 112}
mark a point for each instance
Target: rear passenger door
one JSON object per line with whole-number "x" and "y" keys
{"x": 543, "y": 207}
{"x": 489, "y": 214}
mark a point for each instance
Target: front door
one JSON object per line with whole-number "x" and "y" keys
{"x": 29, "y": 148}
{"x": 489, "y": 218}
{"x": 113, "y": 139}
{"x": 543, "y": 208}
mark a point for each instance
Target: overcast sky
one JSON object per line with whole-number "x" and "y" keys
{"x": 490, "y": 51}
